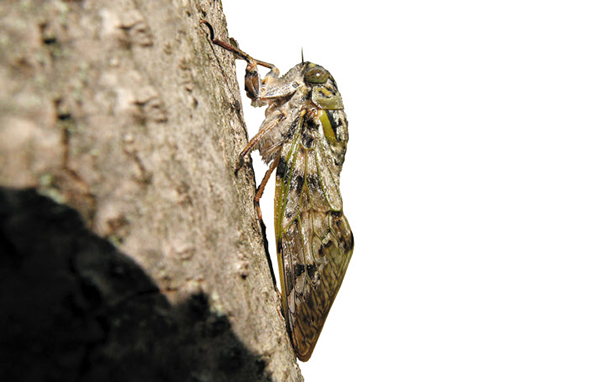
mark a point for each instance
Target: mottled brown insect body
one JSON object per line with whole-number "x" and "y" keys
{"x": 304, "y": 137}
{"x": 314, "y": 240}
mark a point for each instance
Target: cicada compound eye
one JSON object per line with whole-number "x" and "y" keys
{"x": 316, "y": 75}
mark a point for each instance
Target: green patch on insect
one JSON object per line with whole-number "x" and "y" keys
{"x": 303, "y": 139}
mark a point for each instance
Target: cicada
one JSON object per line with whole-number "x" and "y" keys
{"x": 303, "y": 137}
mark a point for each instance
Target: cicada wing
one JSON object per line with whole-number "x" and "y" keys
{"x": 312, "y": 285}
{"x": 314, "y": 239}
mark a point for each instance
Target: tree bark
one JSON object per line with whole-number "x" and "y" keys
{"x": 129, "y": 248}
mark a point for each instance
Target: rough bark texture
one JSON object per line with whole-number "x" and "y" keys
{"x": 129, "y": 249}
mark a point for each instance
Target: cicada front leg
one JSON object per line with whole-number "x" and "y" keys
{"x": 253, "y": 85}
{"x": 252, "y": 80}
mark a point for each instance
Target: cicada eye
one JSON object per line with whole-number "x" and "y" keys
{"x": 316, "y": 76}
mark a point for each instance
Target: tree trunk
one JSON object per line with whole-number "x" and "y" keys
{"x": 129, "y": 248}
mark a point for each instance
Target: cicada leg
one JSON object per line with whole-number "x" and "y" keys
{"x": 261, "y": 189}
{"x": 252, "y": 78}
{"x": 252, "y": 84}
{"x": 265, "y": 129}
{"x": 259, "y": 192}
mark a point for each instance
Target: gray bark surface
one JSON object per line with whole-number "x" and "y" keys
{"x": 129, "y": 248}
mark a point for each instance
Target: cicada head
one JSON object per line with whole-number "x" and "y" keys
{"x": 324, "y": 91}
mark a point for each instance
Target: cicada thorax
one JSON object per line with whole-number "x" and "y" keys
{"x": 306, "y": 92}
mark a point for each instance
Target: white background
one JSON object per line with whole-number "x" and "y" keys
{"x": 472, "y": 183}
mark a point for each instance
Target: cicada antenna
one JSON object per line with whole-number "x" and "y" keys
{"x": 302, "y": 54}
